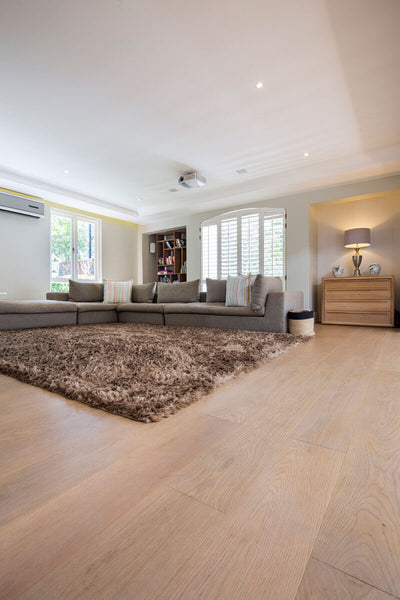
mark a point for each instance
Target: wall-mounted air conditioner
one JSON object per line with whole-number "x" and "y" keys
{"x": 20, "y": 203}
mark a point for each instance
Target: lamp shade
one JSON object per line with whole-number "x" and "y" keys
{"x": 357, "y": 238}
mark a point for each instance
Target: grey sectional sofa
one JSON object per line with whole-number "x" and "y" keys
{"x": 175, "y": 304}
{"x": 24, "y": 314}
{"x": 272, "y": 317}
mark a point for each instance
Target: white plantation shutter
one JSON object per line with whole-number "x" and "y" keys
{"x": 250, "y": 244}
{"x": 209, "y": 252}
{"x": 274, "y": 246}
{"x": 229, "y": 247}
{"x": 243, "y": 242}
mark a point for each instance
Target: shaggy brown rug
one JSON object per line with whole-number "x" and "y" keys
{"x": 143, "y": 372}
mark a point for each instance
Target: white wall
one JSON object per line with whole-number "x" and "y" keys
{"x": 121, "y": 257}
{"x": 25, "y": 253}
{"x": 301, "y": 242}
{"x": 24, "y": 242}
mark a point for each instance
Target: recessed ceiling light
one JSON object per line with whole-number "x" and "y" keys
{"x": 66, "y": 171}
{"x": 306, "y": 154}
{"x": 172, "y": 190}
{"x": 241, "y": 171}
{"x": 259, "y": 85}
{"x": 139, "y": 199}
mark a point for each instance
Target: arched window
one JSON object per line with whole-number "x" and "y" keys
{"x": 252, "y": 240}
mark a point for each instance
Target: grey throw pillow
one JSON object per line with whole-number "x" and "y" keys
{"x": 262, "y": 286}
{"x": 178, "y": 292}
{"x": 216, "y": 290}
{"x": 144, "y": 292}
{"x": 80, "y": 291}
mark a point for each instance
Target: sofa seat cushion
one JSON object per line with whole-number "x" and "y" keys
{"x": 141, "y": 307}
{"x": 35, "y": 306}
{"x": 91, "y": 306}
{"x": 212, "y": 308}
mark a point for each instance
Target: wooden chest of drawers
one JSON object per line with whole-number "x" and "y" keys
{"x": 358, "y": 301}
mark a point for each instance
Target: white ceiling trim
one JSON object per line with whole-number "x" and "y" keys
{"x": 18, "y": 182}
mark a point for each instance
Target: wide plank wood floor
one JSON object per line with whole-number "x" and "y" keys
{"x": 283, "y": 484}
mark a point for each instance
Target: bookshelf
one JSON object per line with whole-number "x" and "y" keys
{"x": 171, "y": 255}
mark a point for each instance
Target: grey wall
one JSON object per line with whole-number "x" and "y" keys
{"x": 25, "y": 253}
{"x": 301, "y": 241}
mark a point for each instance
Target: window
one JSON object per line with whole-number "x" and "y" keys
{"x": 244, "y": 241}
{"x": 75, "y": 249}
{"x": 229, "y": 247}
{"x": 274, "y": 245}
{"x": 209, "y": 250}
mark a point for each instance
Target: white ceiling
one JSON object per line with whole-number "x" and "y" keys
{"x": 129, "y": 94}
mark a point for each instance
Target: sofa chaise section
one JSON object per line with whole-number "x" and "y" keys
{"x": 88, "y": 312}
{"x": 272, "y": 317}
{"x": 24, "y": 314}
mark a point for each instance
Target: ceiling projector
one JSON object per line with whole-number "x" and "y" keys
{"x": 192, "y": 180}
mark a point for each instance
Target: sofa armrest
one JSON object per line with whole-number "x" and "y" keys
{"x": 63, "y": 296}
{"x": 277, "y": 307}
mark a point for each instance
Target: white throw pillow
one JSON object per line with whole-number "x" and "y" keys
{"x": 117, "y": 291}
{"x": 238, "y": 290}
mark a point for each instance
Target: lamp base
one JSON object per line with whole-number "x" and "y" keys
{"x": 357, "y": 259}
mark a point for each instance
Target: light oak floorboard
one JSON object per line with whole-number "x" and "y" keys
{"x": 65, "y": 522}
{"x": 135, "y": 555}
{"x": 262, "y": 547}
{"x": 220, "y": 476}
{"x": 360, "y": 534}
{"x": 220, "y": 500}
{"x": 322, "y": 582}
{"x": 330, "y": 421}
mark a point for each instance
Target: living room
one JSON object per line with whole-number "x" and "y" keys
{"x": 203, "y": 173}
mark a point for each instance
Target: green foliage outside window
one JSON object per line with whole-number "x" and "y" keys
{"x": 59, "y": 287}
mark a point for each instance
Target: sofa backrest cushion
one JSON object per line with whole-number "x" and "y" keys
{"x": 178, "y": 292}
{"x": 216, "y": 290}
{"x": 80, "y": 291}
{"x": 144, "y": 293}
{"x": 262, "y": 286}
{"x": 117, "y": 291}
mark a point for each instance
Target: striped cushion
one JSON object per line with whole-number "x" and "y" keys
{"x": 238, "y": 290}
{"x": 117, "y": 291}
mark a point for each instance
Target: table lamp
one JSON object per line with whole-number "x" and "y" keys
{"x": 357, "y": 238}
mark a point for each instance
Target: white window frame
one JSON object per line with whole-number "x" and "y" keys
{"x": 262, "y": 214}
{"x": 75, "y": 217}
